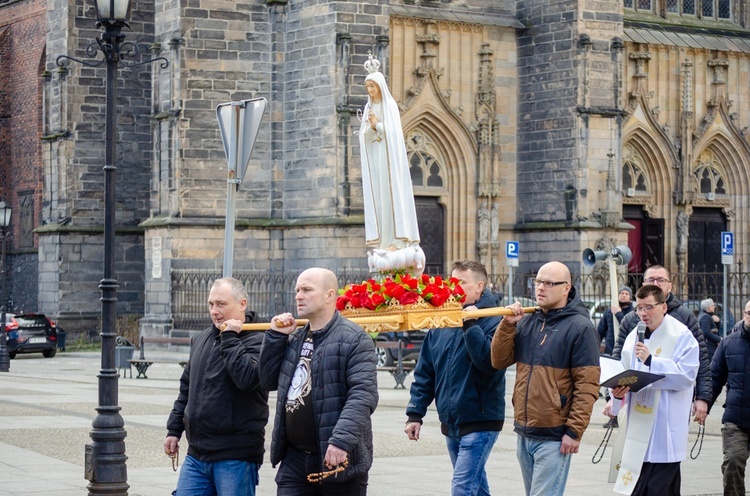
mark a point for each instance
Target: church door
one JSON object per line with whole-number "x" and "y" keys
{"x": 431, "y": 221}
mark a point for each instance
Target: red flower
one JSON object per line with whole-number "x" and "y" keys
{"x": 341, "y": 302}
{"x": 408, "y": 298}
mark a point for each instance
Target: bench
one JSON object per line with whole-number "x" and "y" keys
{"x": 399, "y": 371}
{"x": 142, "y": 364}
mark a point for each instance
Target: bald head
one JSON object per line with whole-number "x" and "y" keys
{"x": 316, "y": 290}
{"x": 557, "y": 276}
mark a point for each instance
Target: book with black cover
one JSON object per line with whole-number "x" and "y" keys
{"x": 613, "y": 375}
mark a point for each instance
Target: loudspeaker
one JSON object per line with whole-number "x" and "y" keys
{"x": 621, "y": 254}
{"x": 590, "y": 257}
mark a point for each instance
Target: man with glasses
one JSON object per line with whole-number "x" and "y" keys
{"x": 553, "y": 405}
{"x": 659, "y": 276}
{"x": 659, "y": 414}
{"x": 730, "y": 366}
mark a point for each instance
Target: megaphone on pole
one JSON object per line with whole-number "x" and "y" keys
{"x": 621, "y": 254}
{"x": 590, "y": 257}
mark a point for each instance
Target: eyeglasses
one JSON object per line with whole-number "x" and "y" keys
{"x": 548, "y": 284}
{"x": 658, "y": 280}
{"x": 747, "y": 314}
{"x": 646, "y": 308}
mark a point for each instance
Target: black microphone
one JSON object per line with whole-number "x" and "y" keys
{"x": 641, "y": 330}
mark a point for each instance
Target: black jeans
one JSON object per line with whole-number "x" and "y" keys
{"x": 291, "y": 479}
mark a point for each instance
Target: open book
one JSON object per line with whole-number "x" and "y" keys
{"x": 613, "y": 375}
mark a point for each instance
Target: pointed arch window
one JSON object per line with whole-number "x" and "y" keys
{"x": 708, "y": 176}
{"x": 426, "y": 170}
{"x": 634, "y": 179}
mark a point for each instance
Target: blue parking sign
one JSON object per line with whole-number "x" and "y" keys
{"x": 511, "y": 249}
{"x": 727, "y": 248}
{"x": 727, "y": 243}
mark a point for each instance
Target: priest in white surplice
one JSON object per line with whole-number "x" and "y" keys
{"x": 659, "y": 414}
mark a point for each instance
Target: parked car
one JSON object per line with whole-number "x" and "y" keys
{"x": 411, "y": 345}
{"x": 597, "y": 309}
{"x": 34, "y": 333}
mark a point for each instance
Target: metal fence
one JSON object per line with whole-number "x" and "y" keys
{"x": 272, "y": 294}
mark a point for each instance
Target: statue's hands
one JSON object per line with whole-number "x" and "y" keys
{"x": 373, "y": 120}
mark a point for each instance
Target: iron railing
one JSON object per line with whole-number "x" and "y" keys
{"x": 272, "y": 294}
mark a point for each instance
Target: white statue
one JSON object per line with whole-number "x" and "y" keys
{"x": 390, "y": 214}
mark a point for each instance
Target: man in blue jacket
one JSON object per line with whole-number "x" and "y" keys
{"x": 455, "y": 370}
{"x": 731, "y": 366}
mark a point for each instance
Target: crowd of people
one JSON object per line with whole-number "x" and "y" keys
{"x": 326, "y": 381}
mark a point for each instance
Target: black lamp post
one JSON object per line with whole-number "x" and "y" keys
{"x": 105, "y": 456}
{"x": 4, "y": 357}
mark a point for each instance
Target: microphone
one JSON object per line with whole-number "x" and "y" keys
{"x": 641, "y": 330}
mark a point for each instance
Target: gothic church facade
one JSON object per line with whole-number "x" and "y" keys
{"x": 563, "y": 125}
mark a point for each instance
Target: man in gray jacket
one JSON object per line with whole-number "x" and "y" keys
{"x": 326, "y": 378}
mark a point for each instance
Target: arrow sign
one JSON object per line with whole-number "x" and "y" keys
{"x": 239, "y": 123}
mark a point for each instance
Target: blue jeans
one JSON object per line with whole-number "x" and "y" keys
{"x": 469, "y": 454}
{"x": 544, "y": 468}
{"x": 222, "y": 478}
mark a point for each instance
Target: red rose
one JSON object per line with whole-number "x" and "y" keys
{"x": 408, "y": 298}
{"x": 341, "y": 302}
{"x": 395, "y": 291}
{"x": 425, "y": 279}
{"x": 438, "y": 300}
{"x": 377, "y": 300}
{"x": 369, "y": 304}
{"x": 356, "y": 301}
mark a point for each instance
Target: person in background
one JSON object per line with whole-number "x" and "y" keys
{"x": 326, "y": 377}
{"x": 606, "y": 328}
{"x": 221, "y": 407}
{"x": 552, "y": 405}
{"x": 709, "y": 322}
{"x": 455, "y": 370}
{"x": 731, "y": 367}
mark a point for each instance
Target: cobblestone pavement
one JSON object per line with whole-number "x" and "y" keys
{"x": 47, "y": 406}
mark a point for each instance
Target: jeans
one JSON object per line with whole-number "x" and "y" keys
{"x": 544, "y": 468}
{"x": 469, "y": 454}
{"x": 222, "y": 478}
{"x": 734, "y": 443}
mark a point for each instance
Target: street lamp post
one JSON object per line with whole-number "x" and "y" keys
{"x": 4, "y": 357}
{"x": 105, "y": 457}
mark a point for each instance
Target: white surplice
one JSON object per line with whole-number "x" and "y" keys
{"x": 668, "y": 439}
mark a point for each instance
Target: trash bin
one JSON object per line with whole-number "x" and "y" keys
{"x": 122, "y": 355}
{"x": 62, "y": 335}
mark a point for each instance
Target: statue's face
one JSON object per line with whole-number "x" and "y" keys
{"x": 373, "y": 90}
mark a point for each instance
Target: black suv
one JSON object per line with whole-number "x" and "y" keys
{"x": 34, "y": 333}
{"x": 411, "y": 344}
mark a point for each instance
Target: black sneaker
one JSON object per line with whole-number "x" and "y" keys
{"x": 611, "y": 423}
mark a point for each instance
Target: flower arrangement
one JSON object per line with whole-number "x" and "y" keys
{"x": 400, "y": 288}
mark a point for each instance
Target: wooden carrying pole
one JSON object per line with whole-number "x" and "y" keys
{"x": 396, "y": 319}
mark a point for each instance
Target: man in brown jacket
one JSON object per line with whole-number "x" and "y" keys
{"x": 553, "y": 405}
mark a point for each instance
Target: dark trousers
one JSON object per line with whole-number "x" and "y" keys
{"x": 658, "y": 479}
{"x": 291, "y": 479}
{"x": 734, "y": 443}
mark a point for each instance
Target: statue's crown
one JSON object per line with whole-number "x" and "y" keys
{"x": 372, "y": 64}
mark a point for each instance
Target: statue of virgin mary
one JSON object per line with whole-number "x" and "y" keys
{"x": 390, "y": 215}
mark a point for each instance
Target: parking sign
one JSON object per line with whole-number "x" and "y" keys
{"x": 511, "y": 253}
{"x": 727, "y": 247}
